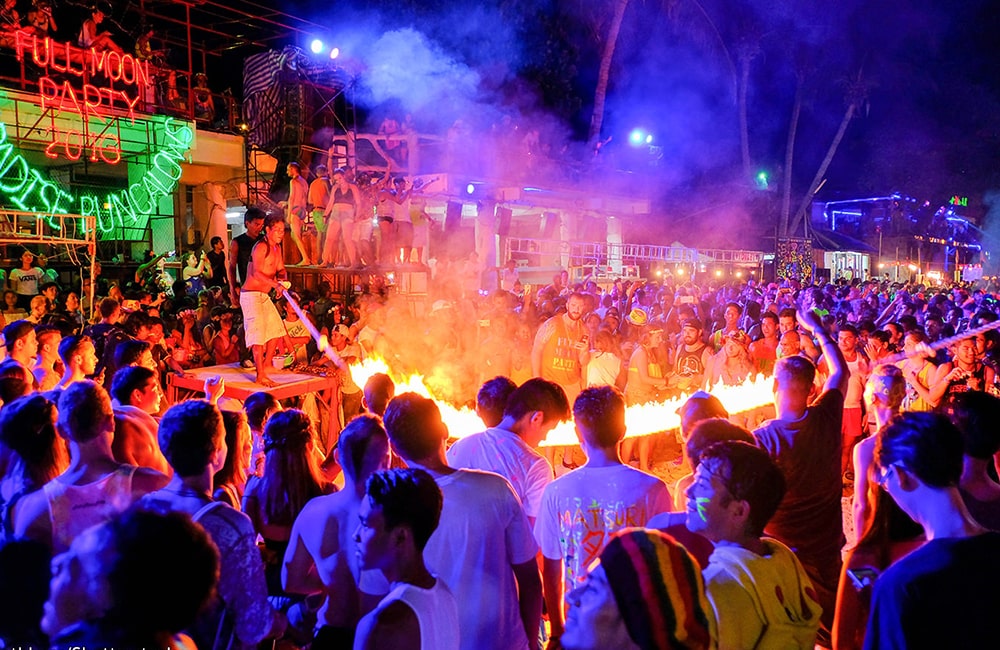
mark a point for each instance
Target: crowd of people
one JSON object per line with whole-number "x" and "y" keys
{"x": 138, "y": 523}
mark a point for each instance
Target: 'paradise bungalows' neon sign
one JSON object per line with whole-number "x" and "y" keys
{"x": 126, "y": 80}
{"x": 129, "y": 208}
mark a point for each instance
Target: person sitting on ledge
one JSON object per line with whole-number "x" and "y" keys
{"x": 90, "y": 38}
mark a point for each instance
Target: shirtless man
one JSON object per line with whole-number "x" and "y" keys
{"x": 322, "y": 556}
{"x": 78, "y": 357}
{"x": 261, "y": 321}
{"x": 135, "y": 399}
{"x": 764, "y": 351}
{"x": 297, "y": 209}
{"x": 787, "y": 323}
{"x": 48, "y": 337}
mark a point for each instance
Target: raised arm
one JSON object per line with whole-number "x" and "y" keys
{"x": 839, "y": 372}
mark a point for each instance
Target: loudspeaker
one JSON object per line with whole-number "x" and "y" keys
{"x": 453, "y": 217}
{"x": 503, "y": 221}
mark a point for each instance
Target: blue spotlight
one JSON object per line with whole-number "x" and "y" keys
{"x": 334, "y": 53}
{"x": 316, "y": 46}
{"x": 636, "y": 137}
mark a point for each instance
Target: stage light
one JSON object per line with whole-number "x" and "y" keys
{"x": 739, "y": 274}
{"x": 470, "y": 189}
{"x": 659, "y": 274}
{"x": 680, "y": 270}
{"x": 649, "y": 139}
{"x": 316, "y": 46}
{"x": 636, "y": 137}
{"x": 334, "y": 53}
{"x": 761, "y": 180}
{"x": 718, "y": 273}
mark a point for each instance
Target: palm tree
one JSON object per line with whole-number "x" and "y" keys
{"x": 856, "y": 99}
{"x": 604, "y": 71}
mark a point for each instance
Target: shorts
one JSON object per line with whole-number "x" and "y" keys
{"x": 404, "y": 234}
{"x": 363, "y": 230}
{"x": 261, "y": 322}
{"x": 319, "y": 220}
{"x": 342, "y": 212}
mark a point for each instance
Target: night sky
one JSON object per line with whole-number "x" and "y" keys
{"x": 930, "y": 126}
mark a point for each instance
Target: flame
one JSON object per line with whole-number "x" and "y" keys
{"x": 640, "y": 420}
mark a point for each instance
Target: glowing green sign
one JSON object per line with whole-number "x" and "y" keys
{"x": 31, "y": 191}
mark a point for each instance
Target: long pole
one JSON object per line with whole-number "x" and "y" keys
{"x": 943, "y": 343}
{"x": 322, "y": 342}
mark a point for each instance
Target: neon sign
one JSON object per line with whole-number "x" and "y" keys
{"x": 89, "y": 100}
{"x": 129, "y": 208}
{"x": 959, "y": 200}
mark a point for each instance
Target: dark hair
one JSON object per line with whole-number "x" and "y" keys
{"x": 770, "y": 315}
{"x": 129, "y": 352}
{"x": 85, "y": 411}
{"x": 272, "y": 220}
{"x": 414, "y": 425}
{"x": 378, "y": 391}
{"x": 215, "y": 240}
{"x": 711, "y": 431}
{"x": 135, "y": 322}
{"x": 881, "y": 335}
{"x": 538, "y": 395}
{"x": 698, "y": 407}
{"x": 236, "y": 463}
{"x": 599, "y": 413}
{"x": 16, "y": 331}
{"x": 407, "y": 497}
{"x": 28, "y": 428}
{"x": 107, "y": 307}
{"x": 167, "y": 550}
{"x": 750, "y": 475}
{"x": 355, "y": 440}
{"x": 788, "y": 312}
{"x": 128, "y": 379}
{"x": 253, "y": 213}
{"x": 491, "y": 400}
{"x": 974, "y": 413}
{"x": 190, "y": 432}
{"x": 847, "y": 327}
{"x": 257, "y": 407}
{"x": 70, "y": 345}
{"x": 15, "y": 380}
{"x": 927, "y": 444}
{"x": 291, "y": 475}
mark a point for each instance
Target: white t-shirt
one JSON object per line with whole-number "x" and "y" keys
{"x": 25, "y": 283}
{"x": 434, "y": 608}
{"x": 581, "y": 509}
{"x": 482, "y": 534}
{"x": 505, "y": 453}
{"x": 603, "y": 369}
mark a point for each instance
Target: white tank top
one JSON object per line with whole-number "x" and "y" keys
{"x": 436, "y": 612}
{"x": 75, "y": 508}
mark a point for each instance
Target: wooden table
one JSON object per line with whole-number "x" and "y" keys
{"x": 240, "y": 382}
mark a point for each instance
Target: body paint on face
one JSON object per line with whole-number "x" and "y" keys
{"x": 701, "y": 503}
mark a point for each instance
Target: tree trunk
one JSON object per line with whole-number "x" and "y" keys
{"x": 786, "y": 179}
{"x": 741, "y": 99}
{"x": 601, "y": 91}
{"x": 814, "y": 186}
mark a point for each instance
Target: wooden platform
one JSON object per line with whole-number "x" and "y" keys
{"x": 240, "y": 383}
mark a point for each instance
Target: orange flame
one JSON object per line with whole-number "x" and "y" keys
{"x": 641, "y": 420}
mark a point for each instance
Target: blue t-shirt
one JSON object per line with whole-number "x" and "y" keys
{"x": 943, "y": 595}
